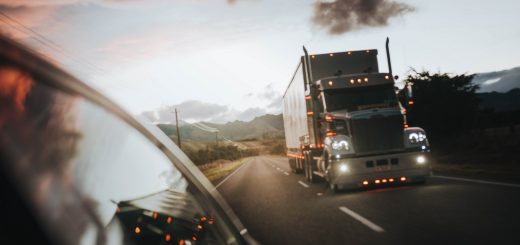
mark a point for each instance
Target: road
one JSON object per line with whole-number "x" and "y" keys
{"x": 279, "y": 207}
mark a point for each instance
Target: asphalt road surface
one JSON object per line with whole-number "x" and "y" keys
{"x": 280, "y": 207}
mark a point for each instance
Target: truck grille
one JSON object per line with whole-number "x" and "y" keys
{"x": 378, "y": 134}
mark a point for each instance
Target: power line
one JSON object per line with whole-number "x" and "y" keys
{"x": 45, "y": 41}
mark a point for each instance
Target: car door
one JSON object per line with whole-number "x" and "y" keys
{"x": 90, "y": 173}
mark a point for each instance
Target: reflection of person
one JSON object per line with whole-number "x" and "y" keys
{"x": 14, "y": 87}
{"x": 38, "y": 140}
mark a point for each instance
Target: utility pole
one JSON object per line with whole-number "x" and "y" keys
{"x": 177, "y": 125}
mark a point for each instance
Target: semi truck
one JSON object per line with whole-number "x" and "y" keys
{"x": 345, "y": 124}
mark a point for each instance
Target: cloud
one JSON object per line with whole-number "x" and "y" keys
{"x": 191, "y": 110}
{"x": 340, "y": 16}
{"x": 499, "y": 81}
{"x": 196, "y": 111}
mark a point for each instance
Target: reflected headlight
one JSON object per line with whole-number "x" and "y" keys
{"x": 340, "y": 145}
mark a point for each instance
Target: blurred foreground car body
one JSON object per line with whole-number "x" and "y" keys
{"x": 77, "y": 169}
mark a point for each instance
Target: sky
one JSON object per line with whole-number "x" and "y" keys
{"x": 222, "y": 61}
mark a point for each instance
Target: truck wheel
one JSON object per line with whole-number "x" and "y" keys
{"x": 312, "y": 177}
{"x": 292, "y": 164}
{"x": 334, "y": 188}
{"x": 297, "y": 169}
{"x": 306, "y": 167}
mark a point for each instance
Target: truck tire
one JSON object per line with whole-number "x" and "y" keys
{"x": 334, "y": 188}
{"x": 299, "y": 166}
{"x": 312, "y": 177}
{"x": 292, "y": 164}
{"x": 295, "y": 169}
{"x": 305, "y": 167}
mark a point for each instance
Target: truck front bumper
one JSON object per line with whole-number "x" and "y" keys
{"x": 379, "y": 170}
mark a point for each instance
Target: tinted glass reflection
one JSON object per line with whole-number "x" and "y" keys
{"x": 91, "y": 177}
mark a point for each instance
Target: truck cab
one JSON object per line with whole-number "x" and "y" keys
{"x": 366, "y": 140}
{"x": 344, "y": 123}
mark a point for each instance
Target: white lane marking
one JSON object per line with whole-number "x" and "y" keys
{"x": 304, "y": 185}
{"x": 285, "y": 173}
{"x": 361, "y": 219}
{"x": 229, "y": 176}
{"x": 476, "y": 181}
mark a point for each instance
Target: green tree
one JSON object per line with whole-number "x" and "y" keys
{"x": 444, "y": 105}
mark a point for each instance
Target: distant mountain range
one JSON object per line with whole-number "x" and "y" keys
{"x": 498, "y": 81}
{"x": 266, "y": 126}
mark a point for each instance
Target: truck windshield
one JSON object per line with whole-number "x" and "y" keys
{"x": 354, "y": 99}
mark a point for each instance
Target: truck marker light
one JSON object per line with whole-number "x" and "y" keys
{"x": 331, "y": 133}
{"x": 331, "y": 83}
{"x": 310, "y": 113}
{"x": 329, "y": 118}
{"x": 352, "y": 81}
{"x": 359, "y": 80}
{"x": 411, "y": 102}
{"x": 391, "y": 180}
{"x": 312, "y": 56}
{"x": 168, "y": 237}
{"x": 154, "y": 215}
{"x": 387, "y": 77}
{"x": 405, "y": 125}
{"x": 384, "y": 180}
{"x": 331, "y": 55}
{"x": 365, "y": 182}
{"x": 349, "y": 53}
{"x": 366, "y": 79}
{"x": 308, "y": 97}
{"x": 169, "y": 220}
{"x": 368, "y": 51}
{"x": 403, "y": 178}
{"x": 377, "y": 181}
{"x": 137, "y": 230}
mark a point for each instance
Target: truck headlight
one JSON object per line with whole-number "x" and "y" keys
{"x": 421, "y": 159}
{"x": 340, "y": 145}
{"x": 416, "y": 137}
{"x": 343, "y": 168}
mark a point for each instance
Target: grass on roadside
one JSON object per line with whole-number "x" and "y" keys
{"x": 217, "y": 171}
